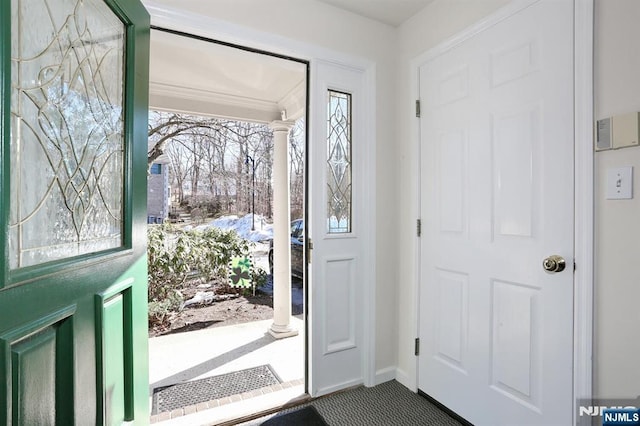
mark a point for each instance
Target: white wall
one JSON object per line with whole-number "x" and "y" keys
{"x": 318, "y": 24}
{"x": 617, "y": 290}
{"x": 436, "y": 23}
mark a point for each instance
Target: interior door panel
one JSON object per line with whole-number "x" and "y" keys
{"x": 497, "y": 199}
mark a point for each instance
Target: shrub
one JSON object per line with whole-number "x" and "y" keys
{"x": 259, "y": 276}
{"x": 166, "y": 270}
{"x": 160, "y": 311}
{"x": 176, "y": 256}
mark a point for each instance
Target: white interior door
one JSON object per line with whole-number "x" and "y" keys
{"x": 497, "y": 199}
{"x": 338, "y": 225}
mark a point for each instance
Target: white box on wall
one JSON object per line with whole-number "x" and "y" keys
{"x": 619, "y": 131}
{"x": 624, "y": 129}
{"x": 603, "y": 134}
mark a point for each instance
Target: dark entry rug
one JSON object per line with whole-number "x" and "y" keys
{"x": 169, "y": 398}
{"x": 307, "y": 416}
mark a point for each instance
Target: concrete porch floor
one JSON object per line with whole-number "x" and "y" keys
{"x": 181, "y": 357}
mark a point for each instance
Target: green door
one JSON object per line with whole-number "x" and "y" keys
{"x": 73, "y": 298}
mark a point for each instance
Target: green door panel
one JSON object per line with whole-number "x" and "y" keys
{"x": 113, "y": 361}
{"x": 121, "y": 340}
{"x": 34, "y": 365}
{"x": 34, "y": 379}
{"x": 73, "y": 279}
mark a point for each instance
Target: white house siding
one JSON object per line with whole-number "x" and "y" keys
{"x": 158, "y": 195}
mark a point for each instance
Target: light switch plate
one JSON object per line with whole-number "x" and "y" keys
{"x": 620, "y": 183}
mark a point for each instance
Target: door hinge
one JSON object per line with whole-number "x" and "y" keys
{"x": 417, "y": 346}
{"x": 417, "y": 107}
{"x": 309, "y": 248}
{"x": 419, "y": 227}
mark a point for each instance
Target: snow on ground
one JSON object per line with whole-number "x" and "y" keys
{"x": 263, "y": 230}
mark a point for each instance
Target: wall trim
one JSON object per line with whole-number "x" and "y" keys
{"x": 177, "y": 19}
{"x": 385, "y": 375}
{"x": 583, "y": 186}
{"x": 584, "y": 205}
{"x": 206, "y": 26}
{"x": 370, "y": 217}
{"x": 340, "y": 386}
{"x": 407, "y": 380}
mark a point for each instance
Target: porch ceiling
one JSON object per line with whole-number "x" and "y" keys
{"x": 205, "y": 78}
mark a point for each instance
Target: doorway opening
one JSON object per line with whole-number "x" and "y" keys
{"x": 215, "y": 136}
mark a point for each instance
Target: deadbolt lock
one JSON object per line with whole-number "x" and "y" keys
{"x": 553, "y": 264}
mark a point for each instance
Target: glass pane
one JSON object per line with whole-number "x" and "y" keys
{"x": 339, "y": 163}
{"x": 67, "y": 131}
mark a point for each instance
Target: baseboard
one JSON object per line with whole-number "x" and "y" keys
{"x": 385, "y": 375}
{"x": 407, "y": 381}
{"x": 336, "y": 388}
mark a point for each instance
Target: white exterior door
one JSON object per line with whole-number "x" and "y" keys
{"x": 497, "y": 199}
{"x": 340, "y": 281}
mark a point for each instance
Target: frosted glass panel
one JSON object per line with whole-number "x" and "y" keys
{"x": 67, "y": 130}
{"x": 339, "y": 163}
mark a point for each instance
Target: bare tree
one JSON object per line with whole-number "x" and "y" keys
{"x": 164, "y": 127}
{"x": 214, "y": 161}
{"x": 180, "y": 168}
{"x": 297, "y": 138}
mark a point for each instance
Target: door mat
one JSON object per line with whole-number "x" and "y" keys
{"x": 307, "y": 416}
{"x": 169, "y": 398}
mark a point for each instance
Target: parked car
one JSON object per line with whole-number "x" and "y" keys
{"x": 297, "y": 249}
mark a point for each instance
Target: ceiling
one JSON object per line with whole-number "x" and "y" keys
{"x": 205, "y": 78}
{"x": 391, "y": 12}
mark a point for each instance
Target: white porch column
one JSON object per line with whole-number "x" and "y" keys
{"x": 281, "y": 326}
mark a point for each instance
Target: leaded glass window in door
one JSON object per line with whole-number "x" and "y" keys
{"x": 67, "y": 130}
{"x": 339, "y": 196}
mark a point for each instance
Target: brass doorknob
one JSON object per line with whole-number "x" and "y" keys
{"x": 553, "y": 264}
